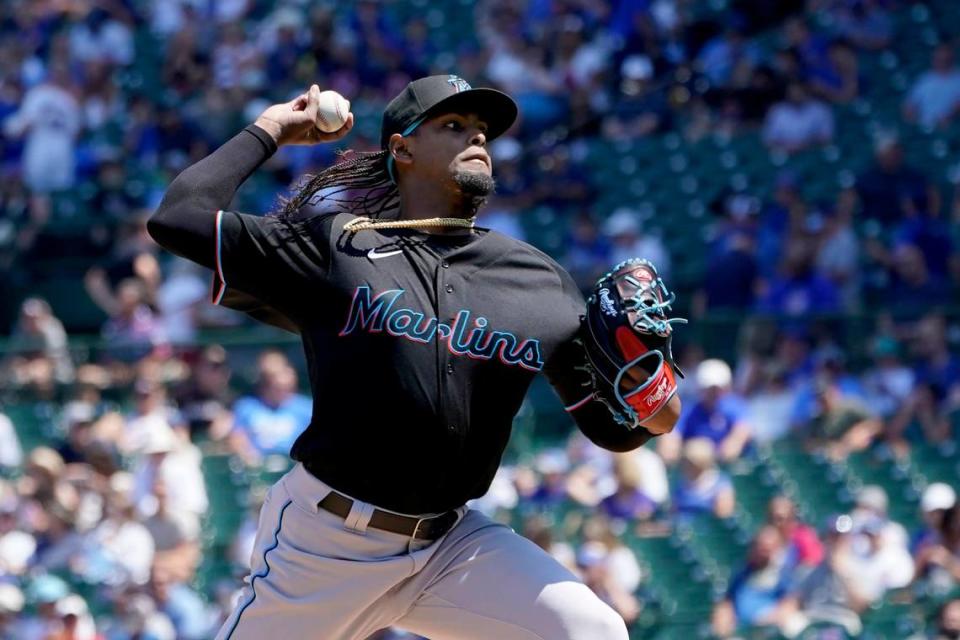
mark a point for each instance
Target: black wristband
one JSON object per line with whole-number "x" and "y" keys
{"x": 265, "y": 138}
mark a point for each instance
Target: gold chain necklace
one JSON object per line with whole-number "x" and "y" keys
{"x": 360, "y": 223}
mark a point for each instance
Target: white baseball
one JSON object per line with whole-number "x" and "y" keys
{"x": 332, "y": 110}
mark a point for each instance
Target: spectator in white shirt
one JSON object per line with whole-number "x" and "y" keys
{"x": 169, "y": 458}
{"x": 50, "y": 118}
{"x": 798, "y": 122}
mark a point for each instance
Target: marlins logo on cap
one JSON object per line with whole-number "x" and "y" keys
{"x": 459, "y": 83}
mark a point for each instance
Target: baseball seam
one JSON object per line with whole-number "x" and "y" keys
{"x": 323, "y": 120}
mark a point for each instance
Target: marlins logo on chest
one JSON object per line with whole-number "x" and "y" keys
{"x": 465, "y": 336}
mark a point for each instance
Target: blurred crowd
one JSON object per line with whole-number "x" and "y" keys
{"x": 103, "y": 102}
{"x": 110, "y": 511}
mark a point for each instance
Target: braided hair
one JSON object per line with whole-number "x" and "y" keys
{"x": 361, "y": 185}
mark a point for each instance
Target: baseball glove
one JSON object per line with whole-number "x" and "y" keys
{"x": 627, "y": 339}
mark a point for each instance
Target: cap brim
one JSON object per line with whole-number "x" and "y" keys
{"x": 494, "y": 107}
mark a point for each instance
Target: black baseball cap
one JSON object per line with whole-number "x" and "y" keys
{"x": 433, "y": 95}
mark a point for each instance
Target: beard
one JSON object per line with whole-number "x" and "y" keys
{"x": 475, "y": 187}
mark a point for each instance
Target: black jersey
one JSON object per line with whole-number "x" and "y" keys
{"x": 420, "y": 347}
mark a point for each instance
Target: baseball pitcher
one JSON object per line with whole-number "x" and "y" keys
{"x": 422, "y": 332}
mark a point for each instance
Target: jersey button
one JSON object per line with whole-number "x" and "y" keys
{"x": 449, "y": 288}
{"x": 445, "y": 264}
{"x": 449, "y": 367}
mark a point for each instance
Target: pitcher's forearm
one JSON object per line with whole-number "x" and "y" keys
{"x": 184, "y": 223}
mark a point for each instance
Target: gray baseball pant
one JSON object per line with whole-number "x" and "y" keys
{"x": 315, "y": 575}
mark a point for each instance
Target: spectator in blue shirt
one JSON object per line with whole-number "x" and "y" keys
{"x": 799, "y": 290}
{"x": 269, "y": 422}
{"x": 757, "y": 589}
{"x": 718, "y": 416}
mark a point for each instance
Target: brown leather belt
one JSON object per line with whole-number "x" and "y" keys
{"x": 418, "y": 528}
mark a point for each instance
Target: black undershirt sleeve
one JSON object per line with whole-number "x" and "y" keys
{"x": 184, "y": 223}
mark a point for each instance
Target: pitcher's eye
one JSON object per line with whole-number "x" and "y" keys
{"x": 453, "y": 125}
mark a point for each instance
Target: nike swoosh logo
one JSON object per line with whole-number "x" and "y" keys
{"x": 373, "y": 255}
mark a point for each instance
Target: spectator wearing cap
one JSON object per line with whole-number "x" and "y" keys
{"x": 718, "y": 416}
{"x": 882, "y": 562}
{"x": 168, "y": 458}
{"x": 755, "y": 590}
{"x": 938, "y": 563}
{"x": 702, "y": 487}
{"x": 592, "y": 563}
{"x": 872, "y": 507}
{"x": 43, "y": 592}
{"x": 937, "y": 499}
{"x": 641, "y": 108}
{"x": 799, "y": 122}
{"x": 75, "y": 621}
{"x": 627, "y": 240}
{"x": 803, "y": 547}
{"x": 269, "y": 422}
{"x": 934, "y": 98}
